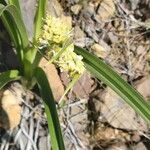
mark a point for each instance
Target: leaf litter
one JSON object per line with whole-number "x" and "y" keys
{"x": 118, "y": 32}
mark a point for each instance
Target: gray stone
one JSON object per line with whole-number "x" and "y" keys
{"x": 79, "y": 37}
{"x": 139, "y": 146}
{"x": 54, "y": 8}
{"x": 119, "y": 114}
{"x": 118, "y": 147}
{"x": 88, "y": 11}
{"x": 134, "y": 4}
{"x": 105, "y": 11}
{"x": 143, "y": 87}
{"x": 76, "y": 9}
{"x": 90, "y": 30}
{"x": 112, "y": 37}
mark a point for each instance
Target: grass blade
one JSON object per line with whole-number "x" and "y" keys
{"x": 40, "y": 14}
{"x": 11, "y": 28}
{"x": 50, "y": 109}
{"x": 105, "y": 73}
{"x": 8, "y": 76}
{"x": 10, "y": 11}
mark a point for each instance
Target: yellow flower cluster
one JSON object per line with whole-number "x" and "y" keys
{"x": 71, "y": 62}
{"x": 56, "y": 32}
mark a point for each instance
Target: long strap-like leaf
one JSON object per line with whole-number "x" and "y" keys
{"x": 40, "y": 14}
{"x": 105, "y": 73}
{"x": 11, "y": 10}
{"x": 8, "y": 76}
{"x": 50, "y": 109}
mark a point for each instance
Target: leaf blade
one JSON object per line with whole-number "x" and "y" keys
{"x": 40, "y": 14}
{"x": 14, "y": 13}
{"x": 50, "y": 109}
{"x": 105, "y": 73}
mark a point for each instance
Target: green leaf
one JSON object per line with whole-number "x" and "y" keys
{"x": 11, "y": 28}
{"x": 8, "y": 76}
{"x": 105, "y": 73}
{"x": 29, "y": 68}
{"x": 40, "y": 14}
{"x": 14, "y": 25}
{"x": 50, "y": 109}
{"x": 16, "y": 3}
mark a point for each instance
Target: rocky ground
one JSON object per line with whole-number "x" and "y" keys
{"x": 94, "y": 117}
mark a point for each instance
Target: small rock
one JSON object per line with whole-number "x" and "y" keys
{"x": 54, "y": 8}
{"x": 103, "y": 133}
{"x": 135, "y": 137}
{"x": 82, "y": 88}
{"x": 106, "y": 10}
{"x": 90, "y": 30}
{"x": 10, "y": 111}
{"x": 9, "y": 99}
{"x": 119, "y": 114}
{"x": 139, "y": 146}
{"x": 53, "y": 78}
{"x": 79, "y": 37}
{"x": 99, "y": 51}
{"x": 76, "y": 9}
{"x": 104, "y": 45}
{"x": 112, "y": 37}
{"x": 141, "y": 50}
{"x": 88, "y": 11}
{"x": 118, "y": 147}
{"x": 143, "y": 87}
{"x": 134, "y": 4}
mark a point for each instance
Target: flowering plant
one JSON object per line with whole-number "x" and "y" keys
{"x": 52, "y": 38}
{"x": 55, "y": 35}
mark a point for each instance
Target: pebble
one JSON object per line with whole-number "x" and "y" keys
{"x": 116, "y": 111}
{"x": 88, "y": 11}
{"x": 76, "y": 9}
{"x": 10, "y": 111}
{"x": 112, "y": 37}
{"x": 118, "y": 147}
{"x": 105, "y": 10}
{"x": 79, "y": 37}
{"x": 136, "y": 137}
{"x": 139, "y": 146}
{"x": 143, "y": 87}
{"x": 90, "y": 30}
{"x": 99, "y": 51}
